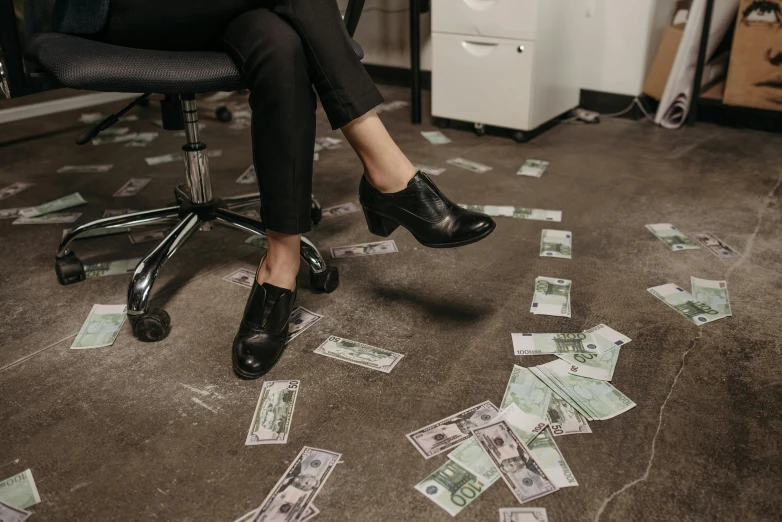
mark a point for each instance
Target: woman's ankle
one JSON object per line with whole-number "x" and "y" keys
{"x": 390, "y": 179}
{"x": 280, "y": 273}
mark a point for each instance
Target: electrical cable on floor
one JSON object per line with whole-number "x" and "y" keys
{"x": 635, "y": 103}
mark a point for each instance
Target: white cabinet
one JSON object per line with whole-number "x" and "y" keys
{"x": 506, "y": 63}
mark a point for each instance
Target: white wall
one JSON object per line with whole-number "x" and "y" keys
{"x": 619, "y": 39}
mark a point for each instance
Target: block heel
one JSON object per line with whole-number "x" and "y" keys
{"x": 379, "y": 225}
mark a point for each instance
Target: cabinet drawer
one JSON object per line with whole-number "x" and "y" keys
{"x": 492, "y": 18}
{"x": 482, "y": 80}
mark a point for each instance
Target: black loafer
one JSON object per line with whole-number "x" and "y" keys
{"x": 425, "y": 211}
{"x": 261, "y": 338}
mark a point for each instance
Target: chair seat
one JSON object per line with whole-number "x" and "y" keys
{"x": 81, "y": 63}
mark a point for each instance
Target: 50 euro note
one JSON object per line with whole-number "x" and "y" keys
{"x": 273, "y": 415}
{"x": 598, "y": 339}
{"x": 551, "y": 297}
{"x": 686, "y": 304}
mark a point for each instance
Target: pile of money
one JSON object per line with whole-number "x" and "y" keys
{"x": 436, "y": 137}
{"x": 101, "y": 327}
{"x": 533, "y": 168}
{"x": 708, "y": 301}
{"x": 516, "y": 212}
{"x": 551, "y": 297}
{"x": 365, "y": 249}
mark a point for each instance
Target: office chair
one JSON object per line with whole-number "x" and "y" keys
{"x": 52, "y": 60}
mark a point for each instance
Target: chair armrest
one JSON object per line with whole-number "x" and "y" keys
{"x": 353, "y": 14}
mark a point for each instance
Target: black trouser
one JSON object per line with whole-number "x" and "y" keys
{"x": 283, "y": 48}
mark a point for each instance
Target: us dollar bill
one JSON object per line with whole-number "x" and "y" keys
{"x": 685, "y": 303}
{"x": 712, "y": 293}
{"x": 429, "y": 171}
{"x": 9, "y": 213}
{"x": 435, "y": 137}
{"x": 452, "y": 487}
{"x": 556, "y": 243}
{"x": 309, "y": 513}
{"x": 594, "y": 399}
{"x": 13, "y": 189}
{"x": 101, "y": 327}
{"x": 339, "y": 210}
{"x": 273, "y": 414}
{"x": 523, "y": 515}
{"x": 516, "y": 212}
{"x": 295, "y": 491}
{"x": 564, "y": 419}
{"x": 111, "y": 212}
{"x": 551, "y": 297}
{"x": 20, "y": 490}
{"x": 241, "y": 277}
{"x": 9, "y": 513}
{"x": 358, "y": 353}
{"x": 248, "y": 176}
{"x": 84, "y": 169}
{"x": 527, "y": 392}
{"x": 715, "y": 245}
{"x": 364, "y": 249}
{"x": 472, "y": 166}
{"x": 142, "y": 139}
{"x": 546, "y": 453}
{"x": 672, "y": 237}
{"x": 48, "y": 219}
{"x": 533, "y": 167}
{"x": 257, "y": 241}
{"x": 164, "y": 158}
{"x": 131, "y": 187}
{"x": 300, "y": 320}
{"x": 69, "y": 201}
{"x": 110, "y": 268}
{"x": 147, "y": 236}
{"x": 451, "y": 431}
{"x": 518, "y": 468}
{"x": 598, "y": 339}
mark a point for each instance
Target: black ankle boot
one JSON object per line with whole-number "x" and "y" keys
{"x": 423, "y": 210}
{"x": 261, "y": 337}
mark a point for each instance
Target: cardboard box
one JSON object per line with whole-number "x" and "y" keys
{"x": 755, "y": 72}
{"x": 663, "y": 62}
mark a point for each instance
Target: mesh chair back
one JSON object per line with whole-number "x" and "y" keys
{"x": 37, "y": 16}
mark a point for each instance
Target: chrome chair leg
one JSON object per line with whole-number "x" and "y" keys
{"x": 242, "y": 201}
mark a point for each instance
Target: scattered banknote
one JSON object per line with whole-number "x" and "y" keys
{"x": 391, "y": 106}
{"x": 546, "y": 453}
{"x": 594, "y": 399}
{"x": 712, "y": 293}
{"x": 534, "y": 168}
{"x": 329, "y": 143}
{"x": 90, "y": 117}
{"x": 308, "y": 514}
{"x": 429, "y": 171}
{"x": 241, "y": 277}
{"x": 109, "y": 268}
{"x": 13, "y": 189}
{"x": 257, "y": 241}
{"x": 713, "y": 243}
{"x": 518, "y": 468}
{"x": 147, "y": 236}
{"x": 220, "y": 95}
{"x": 527, "y": 392}
{"x": 469, "y": 165}
{"x": 165, "y": 158}
{"x": 69, "y": 201}
{"x": 84, "y": 169}
{"x": 436, "y": 137}
{"x": 556, "y": 243}
{"x": 564, "y": 419}
{"x": 20, "y": 490}
{"x": 273, "y": 413}
{"x": 131, "y": 187}
{"x": 523, "y": 515}
{"x": 340, "y": 210}
{"x": 101, "y": 327}
{"x": 317, "y": 148}
{"x": 252, "y": 213}
{"x": 598, "y": 339}
{"x": 451, "y": 431}
{"x": 358, "y": 353}
{"x": 672, "y": 237}
{"x": 593, "y": 365}
{"x": 517, "y": 212}
{"x": 300, "y": 320}
{"x": 295, "y": 491}
{"x": 115, "y": 131}
{"x": 9, "y": 213}
{"x": 248, "y": 176}
{"x": 9, "y": 513}
{"x": 364, "y": 249}
{"x": 111, "y": 212}
{"x": 48, "y": 219}
{"x": 551, "y": 297}
{"x": 142, "y": 139}
{"x": 686, "y": 304}
{"x": 452, "y": 487}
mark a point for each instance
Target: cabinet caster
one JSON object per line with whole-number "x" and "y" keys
{"x": 151, "y": 326}
{"x": 442, "y": 123}
{"x": 480, "y": 129}
{"x": 69, "y": 269}
{"x": 519, "y": 136}
{"x": 223, "y": 114}
{"x": 326, "y": 281}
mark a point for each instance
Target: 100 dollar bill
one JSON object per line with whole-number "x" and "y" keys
{"x": 451, "y": 431}
{"x": 358, "y": 353}
{"x": 556, "y": 243}
{"x": 9, "y": 513}
{"x": 551, "y": 297}
{"x": 273, "y": 413}
{"x": 516, "y": 212}
{"x": 685, "y": 303}
{"x": 20, "y": 490}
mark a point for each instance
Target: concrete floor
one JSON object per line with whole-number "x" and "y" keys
{"x": 116, "y": 433}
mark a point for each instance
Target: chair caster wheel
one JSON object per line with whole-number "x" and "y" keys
{"x": 69, "y": 269}
{"x": 316, "y": 214}
{"x": 480, "y": 129}
{"x": 519, "y": 136}
{"x": 151, "y": 326}
{"x": 326, "y": 281}
{"x": 223, "y": 114}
